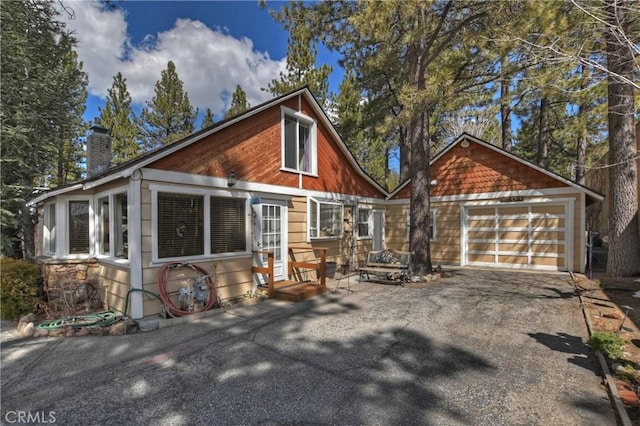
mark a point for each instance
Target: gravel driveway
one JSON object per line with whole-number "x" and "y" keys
{"x": 480, "y": 347}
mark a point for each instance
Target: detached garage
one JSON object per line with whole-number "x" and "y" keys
{"x": 493, "y": 209}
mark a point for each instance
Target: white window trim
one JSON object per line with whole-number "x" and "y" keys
{"x": 65, "y": 236}
{"x": 155, "y": 189}
{"x": 309, "y": 219}
{"x": 434, "y": 236}
{"x": 369, "y": 222}
{"x": 97, "y": 240}
{"x": 313, "y": 130}
{"x": 46, "y": 236}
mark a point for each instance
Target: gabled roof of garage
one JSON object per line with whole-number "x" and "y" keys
{"x": 471, "y": 165}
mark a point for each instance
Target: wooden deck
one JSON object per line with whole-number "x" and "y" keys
{"x": 294, "y": 291}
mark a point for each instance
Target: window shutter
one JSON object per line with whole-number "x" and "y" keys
{"x": 180, "y": 225}
{"x": 228, "y": 230}
{"x": 78, "y": 226}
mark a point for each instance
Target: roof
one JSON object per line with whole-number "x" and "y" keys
{"x": 126, "y": 169}
{"x": 508, "y": 154}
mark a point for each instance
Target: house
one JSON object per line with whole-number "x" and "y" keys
{"x": 598, "y": 179}
{"x": 267, "y": 195}
{"x": 490, "y": 208}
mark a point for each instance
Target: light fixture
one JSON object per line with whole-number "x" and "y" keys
{"x": 231, "y": 180}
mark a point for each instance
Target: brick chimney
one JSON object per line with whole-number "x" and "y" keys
{"x": 98, "y": 150}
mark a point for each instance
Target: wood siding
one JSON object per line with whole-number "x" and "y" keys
{"x": 252, "y": 149}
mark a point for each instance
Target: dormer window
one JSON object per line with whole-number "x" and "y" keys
{"x": 298, "y": 143}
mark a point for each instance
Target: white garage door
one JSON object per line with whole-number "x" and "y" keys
{"x": 530, "y": 236}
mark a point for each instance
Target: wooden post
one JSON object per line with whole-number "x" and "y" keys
{"x": 323, "y": 267}
{"x": 272, "y": 286}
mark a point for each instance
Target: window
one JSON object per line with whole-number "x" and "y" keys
{"x": 299, "y": 147}
{"x": 79, "y": 227}
{"x": 112, "y": 212}
{"x": 228, "y": 226}
{"x": 50, "y": 228}
{"x": 432, "y": 225}
{"x": 199, "y": 224}
{"x": 180, "y": 225}
{"x": 325, "y": 219}
{"x": 121, "y": 226}
{"x": 364, "y": 223}
{"x": 103, "y": 223}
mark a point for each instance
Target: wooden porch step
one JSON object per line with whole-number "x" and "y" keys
{"x": 295, "y": 292}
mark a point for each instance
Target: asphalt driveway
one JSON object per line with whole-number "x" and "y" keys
{"x": 481, "y": 347}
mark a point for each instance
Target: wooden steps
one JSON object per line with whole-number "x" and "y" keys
{"x": 294, "y": 291}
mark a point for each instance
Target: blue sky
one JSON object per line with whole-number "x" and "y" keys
{"x": 215, "y": 46}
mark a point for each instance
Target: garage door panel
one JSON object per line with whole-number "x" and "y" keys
{"x": 548, "y": 235}
{"x": 523, "y": 235}
{"x": 558, "y": 262}
{"x": 481, "y": 258}
{"x": 547, "y": 222}
{"x": 512, "y": 260}
{"x": 513, "y": 210}
{"x": 513, "y": 235}
{"x": 514, "y": 247}
{"x": 481, "y": 246}
{"x": 513, "y": 223}
{"x": 547, "y": 249}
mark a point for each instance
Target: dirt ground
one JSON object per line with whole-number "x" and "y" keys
{"x": 613, "y": 305}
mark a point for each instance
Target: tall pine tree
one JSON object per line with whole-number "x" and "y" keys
{"x": 239, "y": 103}
{"x": 169, "y": 116}
{"x": 118, "y": 117}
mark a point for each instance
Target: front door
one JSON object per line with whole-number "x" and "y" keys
{"x": 378, "y": 230}
{"x": 270, "y": 234}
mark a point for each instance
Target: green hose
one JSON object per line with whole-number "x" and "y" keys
{"x": 100, "y": 319}
{"x": 157, "y": 296}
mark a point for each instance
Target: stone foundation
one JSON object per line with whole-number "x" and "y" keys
{"x": 72, "y": 287}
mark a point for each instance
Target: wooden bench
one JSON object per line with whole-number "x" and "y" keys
{"x": 389, "y": 266}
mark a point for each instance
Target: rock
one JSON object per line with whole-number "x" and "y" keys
{"x": 27, "y": 330}
{"x": 96, "y": 331}
{"x": 56, "y": 332}
{"x": 82, "y": 332}
{"x": 118, "y": 329}
{"x": 39, "y": 332}
{"x": 69, "y": 332}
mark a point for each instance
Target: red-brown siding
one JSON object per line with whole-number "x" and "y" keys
{"x": 252, "y": 149}
{"x": 478, "y": 169}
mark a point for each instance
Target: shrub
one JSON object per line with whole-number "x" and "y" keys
{"x": 18, "y": 287}
{"x": 610, "y": 344}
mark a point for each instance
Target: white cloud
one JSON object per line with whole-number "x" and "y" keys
{"x": 209, "y": 61}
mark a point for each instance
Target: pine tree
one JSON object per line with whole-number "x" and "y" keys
{"x": 43, "y": 90}
{"x": 169, "y": 116}
{"x": 118, "y": 117}
{"x": 208, "y": 120}
{"x": 239, "y": 103}
{"x": 301, "y": 63}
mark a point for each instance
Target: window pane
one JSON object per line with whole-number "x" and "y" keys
{"x": 50, "y": 231}
{"x": 103, "y": 223}
{"x": 363, "y": 222}
{"x": 330, "y": 220}
{"x": 228, "y": 225}
{"x": 121, "y": 226}
{"x": 304, "y": 150}
{"x": 290, "y": 143}
{"x": 78, "y": 226}
{"x": 180, "y": 225}
{"x": 313, "y": 230}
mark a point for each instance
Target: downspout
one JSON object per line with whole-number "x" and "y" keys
{"x": 135, "y": 243}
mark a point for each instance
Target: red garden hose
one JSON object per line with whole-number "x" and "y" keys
{"x": 171, "y": 308}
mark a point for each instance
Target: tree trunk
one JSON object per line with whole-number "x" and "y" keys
{"x": 624, "y": 241}
{"x": 581, "y": 153}
{"x": 28, "y": 227}
{"x": 505, "y": 108}
{"x": 543, "y": 132}
{"x": 405, "y": 156}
